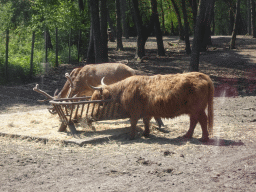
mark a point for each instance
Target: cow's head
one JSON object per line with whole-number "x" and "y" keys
{"x": 100, "y": 93}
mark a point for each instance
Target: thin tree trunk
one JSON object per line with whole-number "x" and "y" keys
{"x": 104, "y": 29}
{"x": 57, "y": 48}
{"x": 162, "y": 15}
{"x": 69, "y": 46}
{"x": 32, "y": 55}
{"x": 249, "y": 17}
{"x": 119, "y": 45}
{"x": 6, "y": 55}
{"x": 124, "y": 20}
{"x": 231, "y": 20}
{"x": 98, "y": 47}
{"x": 49, "y": 40}
{"x": 233, "y": 39}
{"x": 186, "y": 30}
{"x": 111, "y": 36}
{"x": 140, "y": 49}
{"x": 194, "y": 62}
{"x": 206, "y": 40}
{"x": 176, "y": 9}
{"x": 90, "y": 52}
{"x": 194, "y": 10}
{"x": 213, "y": 21}
{"x": 253, "y": 19}
{"x": 81, "y": 5}
{"x": 78, "y": 45}
{"x": 46, "y": 46}
{"x": 159, "y": 37}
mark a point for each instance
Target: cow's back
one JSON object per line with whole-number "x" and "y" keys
{"x": 92, "y": 75}
{"x": 165, "y": 95}
{"x": 113, "y": 72}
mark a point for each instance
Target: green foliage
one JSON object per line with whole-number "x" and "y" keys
{"x": 6, "y": 15}
{"x": 63, "y": 14}
{"x": 145, "y": 10}
{"x": 19, "y": 54}
{"x": 24, "y": 16}
{"x": 223, "y": 9}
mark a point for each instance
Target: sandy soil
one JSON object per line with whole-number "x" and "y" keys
{"x": 162, "y": 162}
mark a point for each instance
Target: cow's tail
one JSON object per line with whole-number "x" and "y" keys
{"x": 210, "y": 109}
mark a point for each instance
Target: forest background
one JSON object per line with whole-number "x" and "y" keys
{"x": 70, "y": 28}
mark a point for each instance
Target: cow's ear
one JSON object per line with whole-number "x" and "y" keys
{"x": 106, "y": 94}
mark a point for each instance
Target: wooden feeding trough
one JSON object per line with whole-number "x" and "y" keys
{"x": 72, "y": 110}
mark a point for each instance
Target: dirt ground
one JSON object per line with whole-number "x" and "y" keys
{"x": 162, "y": 162}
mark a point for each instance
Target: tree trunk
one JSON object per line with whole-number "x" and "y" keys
{"x": 143, "y": 32}
{"x": 48, "y": 39}
{"x": 119, "y": 45}
{"x": 123, "y": 6}
{"x": 186, "y": 30}
{"x": 6, "y": 55}
{"x": 94, "y": 6}
{"x": 231, "y": 20}
{"x": 111, "y": 33}
{"x": 90, "y": 52}
{"x": 163, "y": 19}
{"x": 194, "y": 10}
{"x": 32, "y": 55}
{"x": 56, "y": 48}
{"x": 181, "y": 33}
{"x": 104, "y": 29}
{"x": 98, "y": 43}
{"x": 140, "y": 49}
{"x": 233, "y": 39}
{"x": 81, "y": 5}
{"x": 206, "y": 34}
{"x": 159, "y": 37}
{"x": 253, "y": 19}
{"x": 249, "y": 17}
{"x": 213, "y": 21}
{"x": 194, "y": 62}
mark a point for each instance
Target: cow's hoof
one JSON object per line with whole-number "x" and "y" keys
{"x": 146, "y": 134}
{"x": 204, "y": 139}
{"x": 187, "y": 136}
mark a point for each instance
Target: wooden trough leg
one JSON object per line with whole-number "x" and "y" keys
{"x": 63, "y": 127}
{"x": 72, "y": 128}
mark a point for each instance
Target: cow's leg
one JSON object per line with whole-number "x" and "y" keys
{"x": 159, "y": 122}
{"x": 193, "y": 122}
{"x": 134, "y": 121}
{"x": 146, "y": 121}
{"x": 203, "y": 122}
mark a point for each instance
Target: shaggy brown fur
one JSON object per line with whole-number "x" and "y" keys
{"x": 165, "y": 96}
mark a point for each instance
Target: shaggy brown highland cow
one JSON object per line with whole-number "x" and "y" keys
{"x": 164, "y": 96}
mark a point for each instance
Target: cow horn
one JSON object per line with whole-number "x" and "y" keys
{"x": 95, "y": 88}
{"x": 102, "y": 81}
{"x": 69, "y": 80}
{"x": 44, "y": 93}
{"x": 55, "y": 93}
